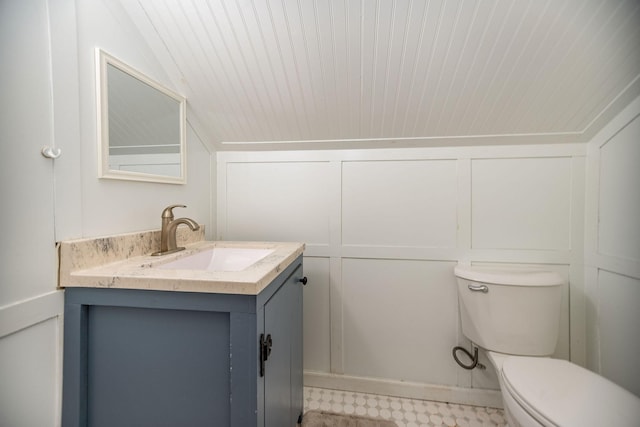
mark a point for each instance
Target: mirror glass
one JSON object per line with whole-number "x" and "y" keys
{"x": 142, "y": 125}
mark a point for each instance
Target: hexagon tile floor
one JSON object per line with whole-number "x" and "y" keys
{"x": 405, "y": 412}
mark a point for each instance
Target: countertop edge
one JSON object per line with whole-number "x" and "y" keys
{"x": 138, "y": 273}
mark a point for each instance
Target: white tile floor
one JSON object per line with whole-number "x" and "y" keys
{"x": 405, "y": 412}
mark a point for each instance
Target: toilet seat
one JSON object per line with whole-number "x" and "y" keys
{"x": 558, "y": 393}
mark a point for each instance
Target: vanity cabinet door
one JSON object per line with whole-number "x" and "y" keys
{"x": 283, "y": 367}
{"x": 157, "y": 367}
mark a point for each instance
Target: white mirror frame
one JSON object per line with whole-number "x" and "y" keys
{"x": 104, "y": 59}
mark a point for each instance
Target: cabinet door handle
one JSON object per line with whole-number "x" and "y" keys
{"x": 265, "y": 350}
{"x": 303, "y": 280}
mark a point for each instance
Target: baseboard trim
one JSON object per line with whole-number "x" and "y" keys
{"x": 410, "y": 390}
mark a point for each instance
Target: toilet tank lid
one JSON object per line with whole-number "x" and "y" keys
{"x": 506, "y": 276}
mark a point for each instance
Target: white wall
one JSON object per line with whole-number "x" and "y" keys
{"x": 384, "y": 229}
{"x": 112, "y": 206}
{"x": 612, "y": 250}
{"x": 48, "y": 98}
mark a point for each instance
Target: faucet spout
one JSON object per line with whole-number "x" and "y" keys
{"x": 171, "y": 232}
{"x": 169, "y": 227}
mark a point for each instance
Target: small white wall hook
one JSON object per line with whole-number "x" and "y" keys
{"x": 51, "y": 152}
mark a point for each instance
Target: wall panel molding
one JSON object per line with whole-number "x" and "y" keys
{"x": 26, "y": 313}
{"x": 31, "y": 336}
{"x": 391, "y": 154}
{"x": 611, "y": 272}
{"x": 375, "y": 176}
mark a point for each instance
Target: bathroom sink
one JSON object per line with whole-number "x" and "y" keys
{"x": 218, "y": 259}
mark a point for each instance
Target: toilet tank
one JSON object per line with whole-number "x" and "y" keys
{"x": 510, "y": 311}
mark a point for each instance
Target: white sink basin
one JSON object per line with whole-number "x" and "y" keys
{"x": 219, "y": 259}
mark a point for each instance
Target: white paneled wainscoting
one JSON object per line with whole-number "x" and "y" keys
{"x": 31, "y": 361}
{"x": 384, "y": 230}
{"x": 612, "y": 250}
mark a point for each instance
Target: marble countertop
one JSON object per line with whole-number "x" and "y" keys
{"x": 98, "y": 269}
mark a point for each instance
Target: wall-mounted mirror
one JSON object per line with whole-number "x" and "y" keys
{"x": 141, "y": 125}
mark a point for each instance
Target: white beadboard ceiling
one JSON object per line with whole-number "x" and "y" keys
{"x": 391, "y": 73}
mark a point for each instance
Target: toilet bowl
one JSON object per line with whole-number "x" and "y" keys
{"x": 514, "y": 315}
{"x": 546, "y": 392}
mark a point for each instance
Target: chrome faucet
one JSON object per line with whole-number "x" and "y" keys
{"x": 169, "y": 227}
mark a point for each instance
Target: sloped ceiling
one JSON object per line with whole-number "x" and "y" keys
{"x": 282, "y": 74}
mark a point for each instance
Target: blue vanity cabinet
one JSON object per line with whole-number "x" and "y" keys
{"x": 158, "y": 358}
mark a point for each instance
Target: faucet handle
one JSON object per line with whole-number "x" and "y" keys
{"x": 168, "y": 211}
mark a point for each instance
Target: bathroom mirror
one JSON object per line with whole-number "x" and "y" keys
{"x": 141, "y": 125}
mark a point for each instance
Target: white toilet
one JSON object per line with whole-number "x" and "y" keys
{"x": 515, "y": 316}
